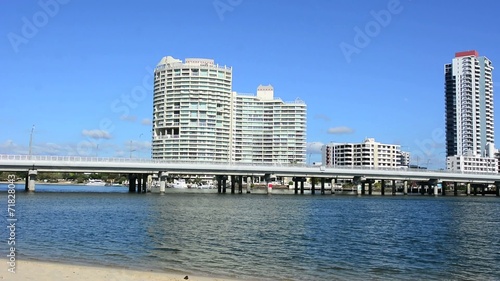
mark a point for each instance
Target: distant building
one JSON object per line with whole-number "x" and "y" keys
{"x": 404, "y": 157}
{"x": 477, "y": 164}
{"x": 266, "y": 129}
{"x": 469, "y": 112}
{"x": 367, "y": 154}
{"x": 198, "y": 117}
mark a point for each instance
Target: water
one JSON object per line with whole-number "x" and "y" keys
{"x": 260, "y": 237}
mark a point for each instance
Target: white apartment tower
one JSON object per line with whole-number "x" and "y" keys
{"x": 268, "y": 130}
{"x": 470, "y": 134}
{"x": 197, "y": 117}
{"x": 469, "y": 105}
{"x": 191, "y": 110}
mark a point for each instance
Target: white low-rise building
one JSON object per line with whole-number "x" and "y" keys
{"x": 478, "y": 164}
{"x": 367, "y": 154}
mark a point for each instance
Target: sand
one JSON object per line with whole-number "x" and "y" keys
{"x": 27, "y": 270}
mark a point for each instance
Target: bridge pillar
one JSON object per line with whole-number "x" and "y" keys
{"x": 131, "y": 183}
{"x": 382, "y": 188}
{"x": 475, "y": 189}
{"x": 363, "y": 188}
{"x": 468, "y": 189}
{"x": 233, "y": 183}
{"x": 139, "y": 183}
{"x": 322, "y": 186}
{"x": 301, "y": 185}
{"x": 296, "y": 184}
{"x": 163, "y": 177}
{"x": 370, "y": 187}
{"x": 30, "y": 180}
{"x": 436, "y": 190}
{"x": 393, "y": 187}
{"x": 313, "y": 186}
{"x": 240, "y": 184}
{"x": 497, "y": 186}
{"x": 224, "y": 183}
{"x": 483, "y": 189}
{"x": 333, "y": 183}
{"x": 444, "y": 185}
{"x": 219, "y": 183}
{"x": 405, "y": 187}
{"x": 144, "y": 183}
{"x": 455, "y": 188}
{"x": 249, "y": 183}
{"x": 422, "y": 188}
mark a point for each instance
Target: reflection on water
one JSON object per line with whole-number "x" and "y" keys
{"x": 284, "y": 237}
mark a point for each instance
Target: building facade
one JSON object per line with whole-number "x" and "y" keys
{"x": 198, "y": 117}
{"x": 469, "y": 111}
{"x": 469, "y": 104}
{"x": 366, "y": 154}
{"x": 474, "y": 164}
{"x": 268, "y": 130}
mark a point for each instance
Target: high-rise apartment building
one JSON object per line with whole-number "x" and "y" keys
{"x": 469, "y": 104}
{"x": 191, "y": 110}
{"x": 469, "y": 113}
{"x": 268, "y": 130}
{"x": 197, "y": 117}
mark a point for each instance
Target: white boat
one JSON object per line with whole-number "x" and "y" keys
{"x": 181, "y": 183}
{"x": 205, "y": 186}
{"x": 93, "y": 182}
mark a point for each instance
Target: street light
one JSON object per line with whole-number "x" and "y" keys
{"x": 140, "y": 144}
{"x": 31, "y": 141}
{"x": 131, "y": 150}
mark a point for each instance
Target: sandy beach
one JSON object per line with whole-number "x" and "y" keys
{"x": 27, "y": 270}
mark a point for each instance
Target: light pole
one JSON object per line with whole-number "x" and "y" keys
{"x": 131, "y": 150}
{"x": 31, "y": 141}
{"x": 140, "y": 144}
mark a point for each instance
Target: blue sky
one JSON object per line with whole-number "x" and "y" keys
{"x": 367, "y": 68}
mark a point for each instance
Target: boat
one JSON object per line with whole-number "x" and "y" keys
{"x": 205, "y": 186}
{"x": 181, "y": 183}
{"x": 94, "y": 182}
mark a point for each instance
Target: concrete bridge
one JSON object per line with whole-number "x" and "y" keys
{"x": 140, "y": 168}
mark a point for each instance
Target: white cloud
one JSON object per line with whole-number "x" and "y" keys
{"x": 97, "y": 134}
{"x": 10, "y": 147}
{"x": 323, "y": 117}
{"x": 146, "y": 122}
{"x": 314, "y": 147}
{"x": 130, "y": 118}
{"x": 340, "y": 130}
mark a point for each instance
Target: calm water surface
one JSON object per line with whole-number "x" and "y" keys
{"x": 261, "y": 237}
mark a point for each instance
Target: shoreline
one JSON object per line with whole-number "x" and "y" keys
{"x": 32, "y": 269}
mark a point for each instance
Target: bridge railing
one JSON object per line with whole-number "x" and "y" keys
{"x": 54, "y": 158}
